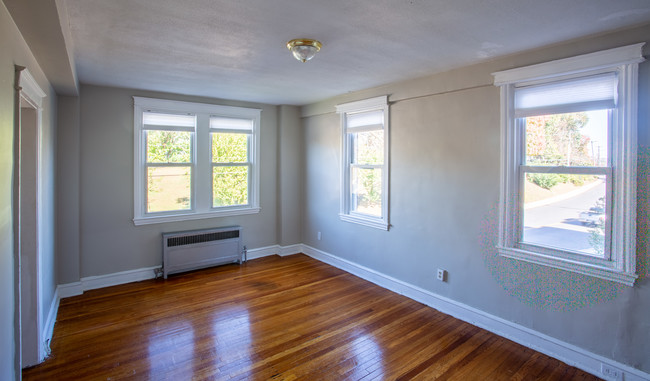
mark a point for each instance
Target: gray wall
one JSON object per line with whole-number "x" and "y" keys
{"x": 15, "y": 51}
{"x": 109, "y": 241}
{"x": 67, "y": 203}
{"x": 289, "y": 175}
{"x": 444, "y": 193}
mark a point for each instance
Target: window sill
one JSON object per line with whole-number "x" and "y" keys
{"x": 370, "y": 222}
{"x": 193, "y": 216}
{"x": 601, "y": 272}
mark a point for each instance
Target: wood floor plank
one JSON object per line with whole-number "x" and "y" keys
{"x": 275, "y": 318}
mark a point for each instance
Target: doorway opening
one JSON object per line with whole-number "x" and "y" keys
{"x": 30, "y": 348}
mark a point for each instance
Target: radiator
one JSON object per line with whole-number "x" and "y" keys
{"x": 191, "y": 250}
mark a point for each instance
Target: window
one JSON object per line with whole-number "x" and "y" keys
{"x": 364, "y": 172}
{"x": 194, "y": 160}
{"x": 569, "y": 163}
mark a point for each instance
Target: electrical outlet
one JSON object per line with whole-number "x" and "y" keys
{"x": 319, "y": 236}
{"x": 441, "y": 275}
{"x": 611, "y": 373}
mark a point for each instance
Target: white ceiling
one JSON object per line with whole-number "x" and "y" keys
{"x": 237, "y": 49}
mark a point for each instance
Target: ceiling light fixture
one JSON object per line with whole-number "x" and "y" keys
{"x": 304, "y": 49}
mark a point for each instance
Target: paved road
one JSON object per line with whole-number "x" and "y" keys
{"x": 558, "y": 224}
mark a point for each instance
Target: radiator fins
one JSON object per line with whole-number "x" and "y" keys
{"x": 199, "y": 238}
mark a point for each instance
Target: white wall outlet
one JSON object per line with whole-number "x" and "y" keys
{"x": 611, "y": 373}
{"x": 441, "y": 275}
{"x": 319, "y": 236}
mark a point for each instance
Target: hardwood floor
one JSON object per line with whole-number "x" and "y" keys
{"x": 291, "y": 318}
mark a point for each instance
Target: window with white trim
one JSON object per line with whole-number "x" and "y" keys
{"x": 364, "y": 169}
{"x": 568, "y": 168}
{"x": 194, "y": 160}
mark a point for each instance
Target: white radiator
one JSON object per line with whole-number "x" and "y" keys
{"x": 191, "y": 250}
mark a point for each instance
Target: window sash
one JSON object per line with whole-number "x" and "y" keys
{"x": 354, "y": 196}
{"x": 191, "y": 164}
{"x": 555, "y": 250}
{"x": 146, "y": 189}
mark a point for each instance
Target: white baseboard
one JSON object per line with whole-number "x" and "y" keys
{"x": 568, "y": 353}
{"x": 262, "y": 252}
{"x": 70, "y": 289}
{"x": 291, "y": 250}
{"x": 122, "y": 277}
{"x": 274, "y": 250}
{"x": 101, "y": 281}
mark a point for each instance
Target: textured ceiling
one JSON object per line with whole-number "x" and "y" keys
{"x": 236, "y": 49}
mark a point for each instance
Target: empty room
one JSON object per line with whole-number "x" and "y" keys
{"x": 324, "y": 190}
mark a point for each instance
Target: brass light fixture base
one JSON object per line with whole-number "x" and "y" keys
{"x": 304, "y": 49}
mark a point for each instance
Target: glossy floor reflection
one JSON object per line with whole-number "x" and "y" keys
{"x": 275, "y": 318}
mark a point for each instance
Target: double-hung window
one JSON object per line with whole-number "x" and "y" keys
{"x": 194, "y": 160}
{"x": 364, "y": 170}
{"x": 569, "y": 163}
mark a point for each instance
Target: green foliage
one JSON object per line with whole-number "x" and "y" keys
{"x": 229, "y": 186}
{"x": 580, "y": 180}
{"x": 168, "y": 146}
{"x": 545, "y": 180}
{"x": 597, "y": 233}
{"x": 549, "y": 180}
{"x": 597, "y": 239}
{"x": 229, "y": 148}
{"x": 367, "y": 188}
{"x": 372, "y": 183}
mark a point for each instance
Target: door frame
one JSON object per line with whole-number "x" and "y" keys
{"x": 28, "y": 95}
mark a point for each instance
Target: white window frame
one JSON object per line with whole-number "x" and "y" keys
{"x": 201, "y": 192}
{"x": 620, "y": 266}
{"x": 346, "y": 214}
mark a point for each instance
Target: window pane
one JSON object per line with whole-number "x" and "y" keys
{"x": 368, "y": 147}
{"x": 366, "y": 191}
{"x": 566, "y": 212}
{"x": 159, "y": 119}
{"x": 168, "y": 146}
{"x": 574, "y": 139}
{"x": 168, "y": 188}
{"x": 229, "y": 148}
{"x": 229, "y": 186}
